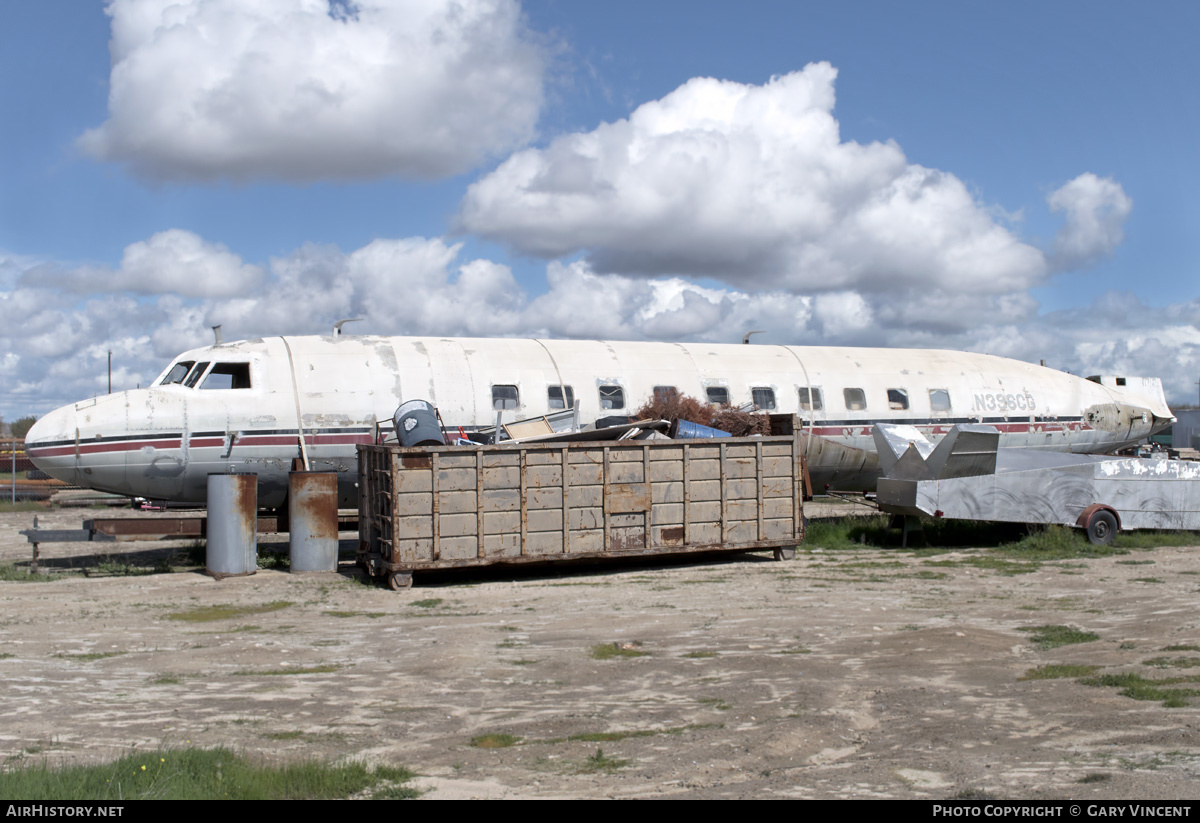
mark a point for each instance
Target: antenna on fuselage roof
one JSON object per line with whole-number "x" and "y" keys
{"x": 746, "y": 336}
{"x": 217, "y": 334}
{"x": 337, "y": 327}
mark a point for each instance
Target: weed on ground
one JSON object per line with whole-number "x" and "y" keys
{"x": 1051, "y": 637}
{"x": 204, "y": 774}
{"x": 612, "y": 651}
{"x": 226, "y": 611}
{"x": 1057, "y": 671}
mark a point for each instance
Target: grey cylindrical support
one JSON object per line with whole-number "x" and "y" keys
{"x": 232, "y": 525}
{"x": 313, "y": 521}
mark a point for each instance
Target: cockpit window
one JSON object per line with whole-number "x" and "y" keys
{"x": 177, "y": 373}
{"x": 194, "y": 376}
{"x": 228, "y": 376}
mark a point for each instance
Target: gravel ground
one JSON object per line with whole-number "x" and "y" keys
{"x": 871, "y": 673}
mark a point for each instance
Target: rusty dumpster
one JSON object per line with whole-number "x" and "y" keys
{"x": 440, "y": 507}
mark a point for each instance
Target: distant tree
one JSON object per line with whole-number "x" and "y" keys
{"x": 21, "y": 426}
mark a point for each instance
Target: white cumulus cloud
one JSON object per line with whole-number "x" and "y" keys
{"x": 1095, "y": 209}
{"x": 305, "y": 90}
{"x": 752, "y": 185}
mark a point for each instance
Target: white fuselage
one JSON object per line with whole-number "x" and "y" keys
{"x": 257, "y": 405}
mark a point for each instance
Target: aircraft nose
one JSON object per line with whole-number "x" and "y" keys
{"x": 50, "y": 444}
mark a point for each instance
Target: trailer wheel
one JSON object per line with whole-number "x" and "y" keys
{"x": 399, "y": 581}
{"x": 785, "y": 553}
{"x": 1102, "y": 528}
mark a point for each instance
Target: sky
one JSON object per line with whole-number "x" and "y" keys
{"x": 1016, "y": 179}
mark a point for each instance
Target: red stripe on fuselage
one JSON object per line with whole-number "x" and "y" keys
{"x": 200, "y": 443}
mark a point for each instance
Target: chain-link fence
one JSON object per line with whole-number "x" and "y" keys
{"x": 20, "y": 479}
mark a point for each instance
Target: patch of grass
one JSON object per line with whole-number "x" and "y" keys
{"x": 1056, "y": 671}
{"x": 273, "y": 562}
{"x": 610, "y": 651}
{"x": 88, "y": 657}
{"x": 1094, "y": 777}
{"x": 523, "y": 662}
{"x": 428, "y": 603}
{"x": 1148, "y": 580}
{"x": 1181, "y": 647}
{"x": 1143, "y": 688}
{"x": 201, "y": 774}
{"x": 494, "y": 741}
{"x": 1051, "y": 637}
{"x": 6, "y": 655}
{"x": 226, "y": 611}
{"x": 1173, "y": 662}
{"x": 795, "y": 650}
{"x": 1135, "y": 562}
{"x": 600, "y": 762}
{"x": 1151, "y": 539}
{"x": 324, "y": 669}
{"x": 14, "y": 574}
{"x": 372, "y": 615}
{"x": 715, "y": 703}
{"x": 167, "y": 680}
{"x": 699, "y": 655}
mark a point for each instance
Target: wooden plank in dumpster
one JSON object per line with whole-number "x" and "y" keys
{"x": 437, "y": 507}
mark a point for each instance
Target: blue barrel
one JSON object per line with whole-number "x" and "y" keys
{"x": 687, "y": 430}
{"x": 417, "y": 424}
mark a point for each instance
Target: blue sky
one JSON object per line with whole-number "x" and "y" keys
{"x": 1014, "y": 179}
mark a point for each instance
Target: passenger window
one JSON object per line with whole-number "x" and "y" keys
{"x": 177, "y": 372}
{"x": 612, "y": 397}
{"x": 897, "y": 399}
{"x": 662, "y": 393}
{"x": 196, "y": 374}
{"x": 939, "y": 399}
{"x": 856, "y": 399}
{"x": 763, "y": 398}
{"x": 555, "y": 394}
{"x": 505, "y": 397}
{"x": 813, "y": 404}
{"x": 228, "y": 376}
{"x": 718, "y": 395}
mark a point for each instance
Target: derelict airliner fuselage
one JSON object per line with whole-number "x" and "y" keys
{"x": 256, "y": 405}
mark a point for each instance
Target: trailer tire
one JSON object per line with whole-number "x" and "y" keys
{"x": 399, "y": 581}
{"x": 785, "y": 553}
{"x": 1101, "y": 528}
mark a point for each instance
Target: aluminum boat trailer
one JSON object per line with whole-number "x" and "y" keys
{"x": 965, "y": 476}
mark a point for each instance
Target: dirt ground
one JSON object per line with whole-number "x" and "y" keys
{"x": 837, "y": 675}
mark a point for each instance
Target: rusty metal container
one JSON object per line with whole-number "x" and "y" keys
{"x": 232, "y": 544}
{"x": 313, "y": 521}
{"x": 443, "y": 507}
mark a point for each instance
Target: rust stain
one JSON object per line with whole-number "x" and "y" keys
{"x": 246, "y": 500}
{"x": 623, "y": 540}
{"x": 315, "y": 500}
{"x": 628, "y": 497}
{"x": 416, "y": 461}
{"x": 673, "y": 534}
